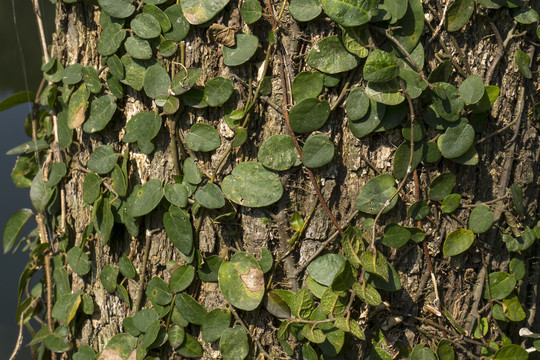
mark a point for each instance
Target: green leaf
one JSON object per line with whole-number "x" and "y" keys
{"x": 190, "y": 348}
{"x": 445, "y": 351}
{"x": 17, "y": 99}
{"x": 102, "y": 159}
{"x": 357, "y": 105}
{"x": 143, "y": 319}
{"x": 402, "y": 157}
{"x": 491, "y": 93}
{"x": 251, "y": 11}
{"x": 190, "y": 309}
{"x": 350, "y": 13}
{"x": 156, "y": 81}
{"x": 355, "y": 40}
{"x": 523, "y": 242}
{"x": 276, "y": 305}
{"x": 135, "y": 70}
{"x": 481, "y": 219}
{"x": 517, "y": 268}
{"x": 79, "y": 261}
{"x": 181, "y": 278}
{"x": 144, "y": 199}
{"x": 244, "y": 48}
{"x": 176, "y": 336}
{"x": 210, "y": 196}
{"x": 446, "y": 101}
{"x": 200, "y": 11}
{"x": 395, "y": 235}
{"x": 234, "y": 343}
{"x": 184, "y": 80}
{"x": 333, "y": 344}
{"x": 191, "y": 171}
{"x": 138, "y": 48}
{"x": 302, "y": 304}
{"x": 117, "y": 8}
{"x": 267, "y": 260}
{"x": 377, "y": 266}
{"x": 66, "y": 306}
{"x": 14, "y": 226}
{"x": 110, "y": 39}
{"x": 217, "y": 91}
{"x": 375, "y": 194}
{"x": 250, "y": 184}
{"x": 471, "y": 89}
{"x": 77, "y": 107}
{"x": 145, "y": 26}
{"x": 329, "y": 56}
{"x": 526, "y": 16}
{"x": 456, "y": 140}
{"x": 325, "y": 268}
{"x": 367, "y": 294}
{"x": 450, "y": 203}
{"x": 241, "y": 281}
{"x": 208, "y": 271}
{"x": 522, "y": 61}
{"x": 179, "y": 229}
{"x": 457, "y": 242}
{"x": 517, "y": 198}
{"x": 91, "y": 188}
{"x": 305, "y": 10}
{"x": 410, "y": 27}
{"x": 167, "y": 48}
{"x": 84, "y": 352}
{"x": 511, "y": 352}
{"x": 157, "y": 291}
{"x": 58, "y": 341}
{"x": 126, "y": 267}
{"x": 380, "y": 66}
{"x": 418, "y": 210}
{"x": 176, "y": 194}
{"x": 458, "y": 14}
{"x": 317, "y": 151}
{"x": 40, "y": 193}
{"x": 414, "y": 84}
{"x": 308, "y": 353}
{"x": 102, "y": 110}
{"x": 441, "y": 186}
{"x": 202, "y": 137}
{"x": 215, "y": 323}
{"x": 420, "y": 352}
{"x": 393, "y": 283}
{"x": 159, "y": 15}
{"x": 142, "y": 128}
{"x": 307, "y": 84}
{"x": 388, "y": 93}
{"x": 279, "y": 153}
{"x": 309, "y": 115}
{"x": 500, "y": 285}
{"x": 53, "y": 70}
{"x": 72, "y": 74}
{"x": 108, "y": 277}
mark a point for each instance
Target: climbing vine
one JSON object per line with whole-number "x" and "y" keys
{"x": 370, "y": 72}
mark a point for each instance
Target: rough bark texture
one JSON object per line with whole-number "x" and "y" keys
{"x": 474, "y": 49}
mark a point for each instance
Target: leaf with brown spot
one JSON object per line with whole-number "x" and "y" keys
{"x": 77, "y": 107}
{"x": 254, "y": 279}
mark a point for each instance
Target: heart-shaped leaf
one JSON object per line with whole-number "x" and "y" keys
{"x": 202, "y": 137}
{"x": 317, "y": 151}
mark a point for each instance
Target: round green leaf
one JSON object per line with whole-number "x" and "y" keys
{"x": 142, "y": 127}
{"x": 325, "y": 268}
{"x": 459, "y": 14}
{"x": 388, "y": 93}
{"x": 159, "y": 15}
{"x": 145, "y": 26}
{"x": 241, "y": 281}
{"x": 210, "y": 196}
{"x": 143, "y": 319}
{"x": 511, "y": 352}
{"x": 395, "y": 235}
{"x": 250, "y": 184}
{"x": 513, "y": 310}
{"x": 157, "y": 291}
{"x": 181, "y": 278}
{"x": 202, "y": 137}
{"x": 369, "y": 122}
{"x": 418, "y": 210}
{"x": 329, "y": 56}
{"x": 305, "y": 10}
{"x": 471, "y": 89}
{"x": 138, "y": 48}
{"x": 217, "y": 91}
{"x": 242, "y": 51}
{"x": 375, "y": 194}
{"x": 445, "y": 351}
{"x": 420, "y": 352}
{"x": 446, "y": 102}
{"x": 441, "y": 186}
{"x": 78, "y": 261}
{"x": 156, "y": 81}
{"x": 184, "y": 80}
{"x": 450, "y": 203}
{"x": 72, "y": 74}
{"x": 201, "y": 11}
{"x": 251, "y": 11}
{"x": 456, "y": 140}
{"x": 317, "y": 151}
{"x": 179, "y": 229}
{"x": 350, "y": 13}
{"x": 500, "y": 285}
{"x": 357, "y": 104}
{"x": 414, "y": 84}
{"x": 167, "y": 48}
{"x": 176, "y": 194}
{"x": 117, "y": 8}
{"x": 144, "y": 199}
{"x": 14, "y": 227}
{"x": 457, "y": 242}
{"x": 190, "y": 309}
{"x": 309, "y": 115}
{"x": 517, "y": 268}
{"x": 307, "y": 84}
{"x": 481, "y": 219}
{"x": 91, "y": 188}
{"x": 191, "y": 171}
{"x": 102, "y": 110}
{"x": 180, "y": 26}
{"x": 234, "y": 344}
{"x": 526, "y": 16}
{"x": 102, "y": 159}
{"x": 410, "y": 27}
{"x": 190, "y": 348}
{"x": 110, "y": 40}
{"x": 279, "y": 153}
{"x": 215, "y": 323}
{"x": 380, "y": 66}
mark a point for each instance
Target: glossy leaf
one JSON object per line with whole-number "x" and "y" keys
{"x": 102, "y": 159}
{"x": 501, "y": 284}
{"x": 350, "y": 13}
{"x": 317, "y": 151}
{"x": 457, "y": 242}
{"x": 202, "y": 137}
{"x": 217, "y": 91}
{"x": 325, "y": 268}
{"x": 245, "y": 47}
{"x": 279, "y": 153}
{"x": 117, "y": 8}
{"x": 357, "y": 105}
{"x": 456, "y": 140}
{"x": 471, "y": 89}
{"x": 375, "y": 193}
{"x": 380, "y": 66}
{"x": 329, "y": 56}
{"x": 309, "y": 115}
{"x": 395, "y": 235}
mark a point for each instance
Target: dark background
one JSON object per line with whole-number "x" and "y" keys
{"x": 20, "y": 62}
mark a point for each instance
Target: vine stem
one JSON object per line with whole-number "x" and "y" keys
{"x": 137, "y": 303}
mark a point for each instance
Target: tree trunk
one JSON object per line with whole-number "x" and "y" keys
{"x": 404, "y": 318}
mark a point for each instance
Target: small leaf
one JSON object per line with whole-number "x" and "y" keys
{"x": 143, "y": 319}
{"x": 77, "y": 107}
{"x": 102, "y": 159}
{"x": 450, "y": 203}
{"x": 179, "y": 229}
{"x": 245, "y": 48}
{"x": 138, "y": 48}
{"x": 157, "y": 291}
{"x": 215, "y": 323}
{"x": 200, "y": 11}
{"x": 307, "y": 84}
{"x": 375, "y": 194}
{"x": 401, "y": 159}
{"x": 446, "y": 101}
{"x": 513, "y": 310}
{"x": 40, "y": 193}
{"x": 156, "y": 81}
{"x": 144, "y": 199}
{"x": 456, "y": 140}
{"x": 176, "y": 336}
{"x": 108, "y": 277}
{"x": 325, "y": 268}
{"x": 457, "y": 242}
{"x": 377, "y": 266}
{"x": 370, "y": 122}
{"x": 267, "y": 260}
{"x": 350, "y": 13}
{"x": 388, "y": 93}
{"x": 458, "y": 14}
{"x": 410, "y": 27}
{"x": 329, "y": 56}
{"x": 279, "y": 153}
{"x": 500, "y": 285}
{"x": 78, "y": 261}
{"x": 380, "y": 66}
{"x": 251, "y": 11}
{"x": 208, "y": 271}
{"x": 481, "y": 219}
{"x": 511, "y": 352}
{"x": 217, "y": 91}
{"x": 180, "y": 26}
{"x": 102, "y": 110}
{"x": 317, "y": 151}
{"x": 309, "y": 115}
{"x": 110, "y": 39}
{"x": 181, "y": 278}
{"x": 418, "y": 210}
{"x": 58, "y": 341}
{"x": 234, "y": 343}
{"x": 305, "y": 10}
{"x": 202, "y": 137}
{"x": 190, "y": 309}
{"x": 191, "y": 171}
{"x": 441, "y": 186}
{"x": 357, "y": 104}
{"x": 420, "y": 352}
{"x": 14, "y": 226}
{"x": 276, "y": 305}
{"x": 145, "y": 26}
{"x": 210, "y": 196}
{"x": 471, "y": 89}
{"x": 176, "y": 194}
{"x": 445, "y": 351}
{"x": 91, "y": 188}
{"x": 126, "y": 267}
{"x": 117, "y": 8}
{"x": 522, "y": 61}
{"x": 526, "y": 16}
{"x": 395, "y": 235}
{"x": 190, "y": 348}
{"x": 17, "y": 99}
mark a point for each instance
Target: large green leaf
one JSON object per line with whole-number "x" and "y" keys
{"x": 370, "y": 121}
{"x": 138, "y": 48}
{"x": 511, "y": 352}
{"x": 329, "y": 56}
{"x": 500, "y": 285}
{"x": 180, "y": 26}
{"x": 17, "y": 99}
{"x": 446, "y": 101}
{"x": 388, "y": 93}
{"x": 218, "y": 90}
{"x": 210, "y": 196}
{"x": 456, "y": 140}
{"x": 305, "y": 10}
{"x": 156, "y": 81}
{"x": 202, "y": 137}
{"x": 350, "y": 12}
{"x": 242, "y": 51}
{"x": 420, "y": 352}
{"x": 471, "y": 89}
{"x": 375, "y": 193}
{"x": 241, "y": 281}
{"x": 102, "y": 110}
{"x": 190, "y": 309}
{"x": 357, "y": 104}
{"x": 250, "y": 184}
{"x": 102, "y": 159}
{"x": 325, "y": 268}
{"x": 441, "y": 186}
{"x": 481, "y": 219}
{"x": 111, "y": 38}
{"x": 215, "y": 323}
{"x": 190, "y": 348}
{"x": 251, "y": 11}
{"x": 307, "y": 84}
{"x": 410, "y": 27}
{"x": 117, "y": 8}
{"x": 309, "y": 115}
{"x": 457, "y": 242}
